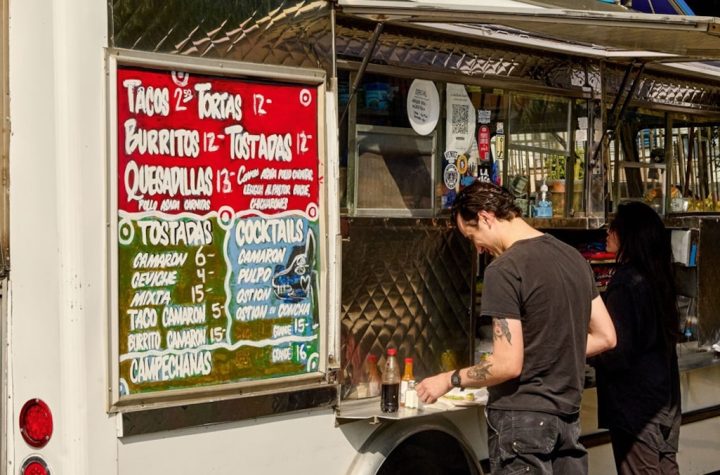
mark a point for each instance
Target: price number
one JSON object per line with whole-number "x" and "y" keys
{"x": 182, "y": 96}
{"x": 209, "y": 139}
{"x": 259, "y": 102}
{"x": 198, "y": 290}
{"x": 299, "y": 326}
{"x": 302, "y": 141}
{"x": 223, "y": 182}
{"x": 217, "y": 334}
{"x": 300, "y": 350}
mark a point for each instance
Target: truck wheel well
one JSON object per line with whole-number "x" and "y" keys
{"x": 430, "y": 451}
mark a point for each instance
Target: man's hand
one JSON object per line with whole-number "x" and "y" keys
{"x": 432, "y": 387}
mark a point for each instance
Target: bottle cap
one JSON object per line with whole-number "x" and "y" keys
{"x": 543, "y": 187}
{"x": 391, "y": 351}
{"x": 408, "y": 360}
{"x": 371, "y": 357}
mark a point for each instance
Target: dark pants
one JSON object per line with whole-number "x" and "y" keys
{"x": 638, "y": 457}
{"x": 534, "y": 442}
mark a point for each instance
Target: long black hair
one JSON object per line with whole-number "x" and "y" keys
{"x": 644, "y": 244}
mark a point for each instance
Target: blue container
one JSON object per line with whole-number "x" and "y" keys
{"x": 377, "y": 96}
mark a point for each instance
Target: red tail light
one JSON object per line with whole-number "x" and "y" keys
{"x": 34, "y": 466}
{"x": 36, "y": 423}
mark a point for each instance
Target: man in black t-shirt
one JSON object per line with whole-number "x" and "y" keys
{"x": 547, "y": 316}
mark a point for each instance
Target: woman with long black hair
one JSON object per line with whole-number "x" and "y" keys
{"x": 638, "y": 382}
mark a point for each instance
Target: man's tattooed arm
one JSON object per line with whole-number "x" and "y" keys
{"x": 480, "y": 371}
{"x": 501, "y": 330}
{"x": 506, "y": 360}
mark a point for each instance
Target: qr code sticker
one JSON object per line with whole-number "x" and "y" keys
{"x": 460, "y": 118}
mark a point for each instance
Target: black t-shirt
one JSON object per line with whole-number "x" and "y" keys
{"x": 549, "y": 287}
{"x": 638, "y": 381}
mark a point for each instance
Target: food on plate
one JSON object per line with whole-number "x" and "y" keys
{"x": 467, "y": 396}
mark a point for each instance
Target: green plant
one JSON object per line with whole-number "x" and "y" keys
{"x": 555, "y": 166}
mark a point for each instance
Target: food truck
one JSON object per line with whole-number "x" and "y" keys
{"x": 215, "y": 215}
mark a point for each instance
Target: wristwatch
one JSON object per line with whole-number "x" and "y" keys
{"x": 455, "y": 379}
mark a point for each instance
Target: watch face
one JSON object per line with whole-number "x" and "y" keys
{"x": 455, "y": 379}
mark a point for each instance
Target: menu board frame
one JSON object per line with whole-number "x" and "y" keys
{"x": 247, "y": 74}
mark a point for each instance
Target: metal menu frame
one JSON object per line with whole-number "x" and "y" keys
{"x": 163, "y": 398}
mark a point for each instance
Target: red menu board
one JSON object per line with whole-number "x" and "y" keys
{"x": 217, "y": 229}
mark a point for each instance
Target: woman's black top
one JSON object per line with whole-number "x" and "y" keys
{"x": 638, "y": 381}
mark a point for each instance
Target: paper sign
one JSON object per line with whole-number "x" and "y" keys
{"x": 460, "y": 122}
{"x": 423, "y": 106}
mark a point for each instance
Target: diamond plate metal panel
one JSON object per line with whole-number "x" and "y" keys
{"x": 297, "y": 33}
{"x": 410, "y": 49}
{"x": 405, "y": 284}
{"x": 261, "y": 31}
{"x": 430, "y": 52}
{"x": 669, "y": 90}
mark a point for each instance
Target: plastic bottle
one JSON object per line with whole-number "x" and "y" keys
{"x": 543, "y": 204}
{"x": 390, "y": 392}
{"x": 406, "y": 379}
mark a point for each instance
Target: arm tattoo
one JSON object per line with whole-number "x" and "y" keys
{"x": 501, "y": 329}
{"x": 480, "y": 371}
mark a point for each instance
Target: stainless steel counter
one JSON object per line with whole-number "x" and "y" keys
{"x": 369, "y": 409}
{"x": 690, "y": 356}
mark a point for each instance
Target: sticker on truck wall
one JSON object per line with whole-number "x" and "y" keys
{"x": 451, "y": 176}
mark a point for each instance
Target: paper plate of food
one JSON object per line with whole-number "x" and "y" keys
{"x": 466, "y": 396}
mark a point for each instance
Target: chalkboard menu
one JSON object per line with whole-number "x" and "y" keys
{"x": 217, "y": 229}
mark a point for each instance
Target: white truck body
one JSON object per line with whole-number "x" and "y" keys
{"x": 56, "y": 329}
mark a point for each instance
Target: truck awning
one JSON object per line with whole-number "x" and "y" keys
{"x": 609, "y": 34}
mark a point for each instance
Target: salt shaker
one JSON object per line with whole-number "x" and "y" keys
{"x": 411, "y": 397}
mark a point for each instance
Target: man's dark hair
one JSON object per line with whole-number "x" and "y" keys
{"x": 484, "y": 196}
